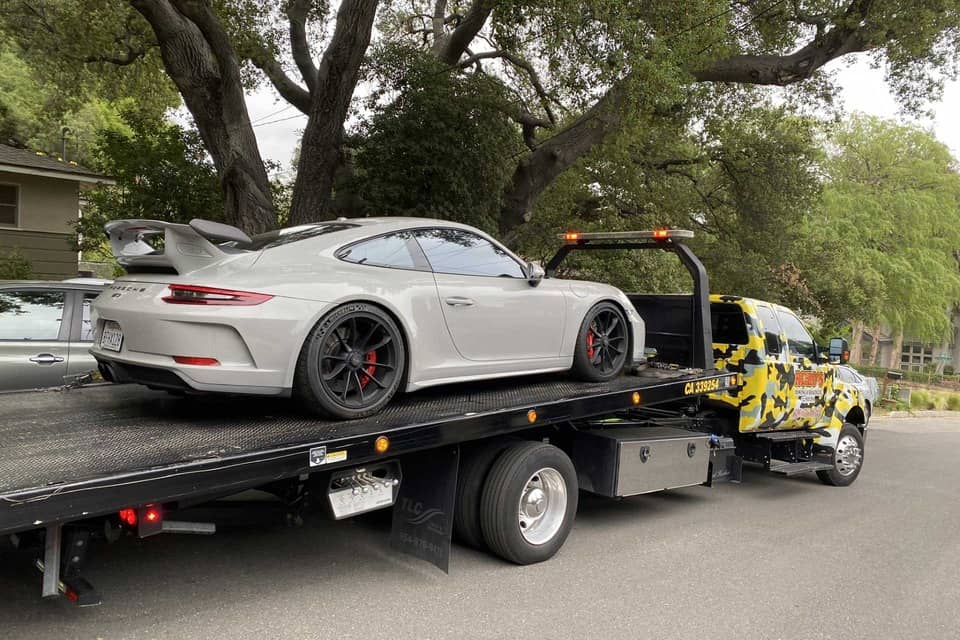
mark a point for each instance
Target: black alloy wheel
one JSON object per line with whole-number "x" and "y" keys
{"x": 352, "y": 363}
{"x": 603, "y": 344}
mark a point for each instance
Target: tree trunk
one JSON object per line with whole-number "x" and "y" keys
{"x": 856, "y": 342}
{"x": 895, "y": 354}
{"x": 322, "y": 139}
{"x": 875, "y": 345}
{"x": 200, "y": 60}
{"x": 555, "y": 155}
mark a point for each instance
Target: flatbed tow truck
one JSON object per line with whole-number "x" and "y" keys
{"x": 85, "y": 464}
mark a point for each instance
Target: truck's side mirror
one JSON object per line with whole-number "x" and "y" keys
{"x": 839, "y": 350}
{"x": 535, "y": 273}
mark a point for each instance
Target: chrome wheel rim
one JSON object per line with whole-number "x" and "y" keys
{"x": 543, "y": 506}
{"x": 849, "y": 455}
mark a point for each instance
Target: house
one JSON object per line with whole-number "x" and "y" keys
{"x": 39, "y": 204}
{"x": 914, "y": 354}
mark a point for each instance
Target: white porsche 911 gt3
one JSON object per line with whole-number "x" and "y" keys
{"x": 343, "y": 314}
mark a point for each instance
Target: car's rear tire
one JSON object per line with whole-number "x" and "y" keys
{"x": 847, "y": 458}
{"x": 603, "y": 344}
{"x": 541, "y": 480}
{"x": 352, "y": 363}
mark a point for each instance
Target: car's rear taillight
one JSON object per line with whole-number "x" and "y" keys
{"x": 193, "y": 294}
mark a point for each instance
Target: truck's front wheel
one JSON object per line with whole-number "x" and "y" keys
{"x": 847, "y": 458}
{"x": 529, "y": 502}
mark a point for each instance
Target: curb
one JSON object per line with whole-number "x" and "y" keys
{"x": 920, "y": 414}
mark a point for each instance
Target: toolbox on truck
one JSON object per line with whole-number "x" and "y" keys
{"x": 630, "y": 460}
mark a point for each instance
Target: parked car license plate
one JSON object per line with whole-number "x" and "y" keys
{"x": 112, "y": 337}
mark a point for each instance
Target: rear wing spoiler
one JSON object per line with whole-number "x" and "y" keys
{"x": 156, "y": 246}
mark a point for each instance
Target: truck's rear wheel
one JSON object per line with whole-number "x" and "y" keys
{"x": 529, "y": 502}
{"x": 847, "y": 458}
{"x": 474, "y": 468}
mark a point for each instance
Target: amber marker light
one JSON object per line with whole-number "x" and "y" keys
{"x": 381, "y": 444}
{"x": 571, "y": 236}
{"x": 661, "y": 234}
{"x": 636, "y": 397}
{"x": 531, "y": 416}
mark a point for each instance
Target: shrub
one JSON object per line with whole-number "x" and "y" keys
{"x": 953, "y": 402}
{"x": 13, "y": 266}
{"x": 921, "y": 399}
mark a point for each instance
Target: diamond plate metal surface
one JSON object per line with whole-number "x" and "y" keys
{"x": 53, "y": 437}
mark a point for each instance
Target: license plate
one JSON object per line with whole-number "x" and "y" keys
{"x": 112, "y": 337}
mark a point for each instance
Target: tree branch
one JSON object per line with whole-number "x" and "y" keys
{"x": 845, "y": 37}
{"x": 449, "y": 47}
{"x": 519, "y": 62}
{"x": 299, "y": 47}
{"x": 284, "y": 84}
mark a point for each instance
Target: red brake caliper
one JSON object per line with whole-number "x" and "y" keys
{"x": 370, "y": 356}
{"x": 589, "y": 344}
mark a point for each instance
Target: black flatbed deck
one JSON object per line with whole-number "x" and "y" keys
{"x": 73, "y": 454}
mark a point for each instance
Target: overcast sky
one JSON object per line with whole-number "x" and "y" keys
{"x": 278, "y": 125}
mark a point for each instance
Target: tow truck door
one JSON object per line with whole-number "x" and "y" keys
{"x": 807, "y": 398}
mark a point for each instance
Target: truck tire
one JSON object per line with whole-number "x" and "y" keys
{"x": 847, "y": 458}
{"x": 541, "y": 479}
{"x": 474, "y": 468}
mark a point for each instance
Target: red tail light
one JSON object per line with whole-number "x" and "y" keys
{"x": 128, "y": 517}
{"x": 196, "y": 360}
{"x": 193, "y": 294}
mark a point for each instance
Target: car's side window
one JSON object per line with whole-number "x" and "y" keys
{"x": 460, "y": 252}
{"x": 398, "y": 250}
{"x": 31, "y": 315}
{"x": 801, "y": 344}
{"x": 771, "y": 329}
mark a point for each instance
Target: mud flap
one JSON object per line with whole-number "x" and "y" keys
{"x": 423, "y": 513}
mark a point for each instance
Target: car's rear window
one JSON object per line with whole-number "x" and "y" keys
{"x": 728, "y": 324}
{"x": 272, "y": 239}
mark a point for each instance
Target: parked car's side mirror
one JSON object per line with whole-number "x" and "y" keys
{"x": 839, "y": 350}
{"x": 535, "y": 273}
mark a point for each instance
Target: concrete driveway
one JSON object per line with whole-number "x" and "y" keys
{"x": 770, "y": 558}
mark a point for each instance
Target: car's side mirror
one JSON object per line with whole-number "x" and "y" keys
{"x": 839, "y": 350}
{"x": 535, "y": 273}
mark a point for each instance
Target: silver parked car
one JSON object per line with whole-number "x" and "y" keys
{"x": 867, "y": 385}
{"x": 45, "y": 332}
{"x": 343, "y": 314}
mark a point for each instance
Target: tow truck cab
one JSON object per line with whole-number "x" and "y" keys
{"x": 786, "y": 380}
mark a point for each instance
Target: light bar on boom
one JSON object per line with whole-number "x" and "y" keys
{"x": 660, "y": 235}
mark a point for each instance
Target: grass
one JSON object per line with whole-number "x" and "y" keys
{"x": 921, "y": 399}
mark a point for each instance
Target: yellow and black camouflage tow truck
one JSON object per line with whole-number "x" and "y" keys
{"x": 789, "y": 411}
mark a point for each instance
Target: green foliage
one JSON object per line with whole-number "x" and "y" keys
{"x": 437, "y": 145}
{"x": 162, "y": 173}
{"x": 889, "y": 224}
{"x": 14, "y": 266}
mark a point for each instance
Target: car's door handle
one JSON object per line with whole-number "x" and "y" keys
{"x": 46, "y": 358}
{"x": 457, "y": 301}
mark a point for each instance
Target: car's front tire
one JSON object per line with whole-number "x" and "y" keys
{"x": 352, "y": 362}
{"x": 603, "y": 344}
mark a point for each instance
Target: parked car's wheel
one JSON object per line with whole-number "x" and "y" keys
{"x": 847, "y": 458}
{"x": 352, "y": 362}
{"x": 475, "y": 466}
{"x": 529, "y": 502}
{"x": 603, "y": 344}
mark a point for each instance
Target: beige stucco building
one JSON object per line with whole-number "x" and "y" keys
{"x": 39, "y": 205}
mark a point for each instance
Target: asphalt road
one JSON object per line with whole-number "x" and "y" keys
{"x": 769, "y": 558}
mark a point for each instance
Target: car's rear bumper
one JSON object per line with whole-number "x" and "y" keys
{"x": 179, "y": 378}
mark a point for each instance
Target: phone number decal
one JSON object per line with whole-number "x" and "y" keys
{"x": 701, "y": 386}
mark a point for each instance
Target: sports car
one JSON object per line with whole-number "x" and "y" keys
{"x": 346, "y": 313}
